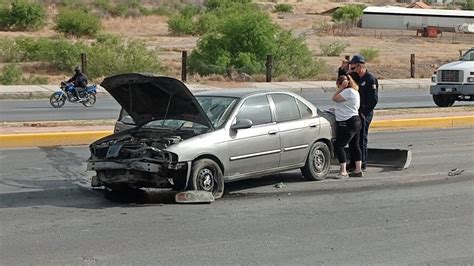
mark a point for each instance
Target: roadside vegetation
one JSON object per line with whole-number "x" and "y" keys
{"x": 237, "y": 37}
{"x": 21, "y": 16}
{"x": 107, "y": 55}
{"x": 369, "y": 54}
{"x": 333, "y": 49}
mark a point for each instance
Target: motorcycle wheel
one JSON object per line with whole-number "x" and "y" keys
{"x": 90, "y": 100}
{"x": 57, "y": 99}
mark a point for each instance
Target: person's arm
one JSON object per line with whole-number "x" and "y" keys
{"x": 337, "y": 97}
{"x": 71, "y": 79}
{"x": 372, "y": 95}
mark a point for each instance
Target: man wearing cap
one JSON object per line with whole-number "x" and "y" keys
{"x": 368, "y": 89}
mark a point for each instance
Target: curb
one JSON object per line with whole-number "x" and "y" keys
{"x": 50, "y": 139}
{"x": 413, "y": 123}
{"x": 87, "y": 137}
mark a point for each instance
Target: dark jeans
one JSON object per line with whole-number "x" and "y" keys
{"x": 78, "y": 90}
{"x": 364, "y": 134}
{"x": 348, "y": 132}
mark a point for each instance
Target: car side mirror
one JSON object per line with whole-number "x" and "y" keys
{"x": 127, "y": 120}
{"x": 242, "y": 123}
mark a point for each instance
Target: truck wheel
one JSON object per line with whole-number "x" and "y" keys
{"x": 443, "y": 100}
{"x": 318, "y": 162}
{"x": 207, "y": 175}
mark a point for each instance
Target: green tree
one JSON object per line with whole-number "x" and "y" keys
{"x": 242, "y": 38}
{"x": 348, "y": 13}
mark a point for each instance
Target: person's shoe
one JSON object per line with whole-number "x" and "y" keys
{"x": 364, "y": 166}
{"x": 341, "y": 176}
{"x": 354, "y": 174}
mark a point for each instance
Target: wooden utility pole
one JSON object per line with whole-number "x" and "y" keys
{"x": 184, "y": 59}
{"x": 269, "y": 65}
{"x": 84, "y": 63}
{"x": 412, "y": 66}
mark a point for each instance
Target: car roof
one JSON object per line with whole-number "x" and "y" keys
{"x": 237, "y": 92}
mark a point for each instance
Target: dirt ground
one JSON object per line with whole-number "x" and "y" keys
{"x": 395, "y": 46}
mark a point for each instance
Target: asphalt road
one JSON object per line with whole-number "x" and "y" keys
{"x": 108, "y": 108}
{"x": 49, "y": 214}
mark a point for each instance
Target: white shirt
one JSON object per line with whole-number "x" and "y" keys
{"x": 349, "y": 107}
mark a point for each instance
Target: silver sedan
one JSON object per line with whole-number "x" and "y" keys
{"x": 199, "y": 142}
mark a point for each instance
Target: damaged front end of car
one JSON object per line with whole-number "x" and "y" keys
{"x": 137, "y": 159}
{"x": 165, "y": 113}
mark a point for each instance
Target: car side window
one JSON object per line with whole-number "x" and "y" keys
{"x": 305, "y": 111}
{"x": 257, "y": 109}
{"x": 286, "y": 108}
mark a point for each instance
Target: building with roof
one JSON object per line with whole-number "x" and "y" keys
{"x": 419, "y": 5}
{"x": 390, "y": 17}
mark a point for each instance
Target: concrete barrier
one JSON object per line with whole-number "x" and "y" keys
{"x": 87, "y": 137}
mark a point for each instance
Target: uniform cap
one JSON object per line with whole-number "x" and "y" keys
{"x": 357, "y": 59}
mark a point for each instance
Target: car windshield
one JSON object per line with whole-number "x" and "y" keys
{"x": 217, "y": 108}
{"x": 469, "y": 56}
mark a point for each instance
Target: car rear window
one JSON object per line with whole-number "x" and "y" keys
{"x": 286, "y": 107}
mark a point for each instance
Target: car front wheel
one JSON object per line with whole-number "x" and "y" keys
{"x": 318, "y": 162}
{"x": 207, "y": 175}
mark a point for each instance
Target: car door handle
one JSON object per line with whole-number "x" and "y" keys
{"x": 272, "y": 132}
{"x": 313, "y": 125}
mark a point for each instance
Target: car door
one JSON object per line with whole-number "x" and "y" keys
{"x": 296, "y": 127}
{"x": 254, "y": 149}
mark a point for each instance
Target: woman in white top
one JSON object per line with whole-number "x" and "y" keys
{"x": 348, "y": 124}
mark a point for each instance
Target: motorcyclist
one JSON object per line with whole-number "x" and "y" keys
{"x": 79, "y": 80}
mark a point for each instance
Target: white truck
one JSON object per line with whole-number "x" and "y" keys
{"x": 454, "y": 81}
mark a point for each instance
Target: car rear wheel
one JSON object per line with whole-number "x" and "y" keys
{"x": 443, "y": 100}
{"x": 318, "y": 162}
{"x": 207, "y": 175}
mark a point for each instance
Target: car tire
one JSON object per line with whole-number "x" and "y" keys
{"x": 207, "y": 175}
{"x": 318, "y": 162}
{"x": 443, "y": 100}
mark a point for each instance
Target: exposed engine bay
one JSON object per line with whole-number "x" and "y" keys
{"x": 138, "y": 158}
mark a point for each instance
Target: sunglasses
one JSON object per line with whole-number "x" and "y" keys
{"x": 354, "y": 67}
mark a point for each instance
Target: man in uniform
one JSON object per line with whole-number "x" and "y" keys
{"x": 368, "y": 89}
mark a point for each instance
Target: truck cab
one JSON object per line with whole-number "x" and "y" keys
{"x": 454, "y": 81}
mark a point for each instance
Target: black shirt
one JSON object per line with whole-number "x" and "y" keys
{"x": 369, "y": 93}
{"x": 79, "y": 79}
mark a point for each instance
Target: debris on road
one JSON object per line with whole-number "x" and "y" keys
{"x": 280, "y": 185}
{"x": 194, "y": 196}
{"x": 455, "y": 171}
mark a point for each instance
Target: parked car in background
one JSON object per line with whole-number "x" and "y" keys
{"x": 173, "y": 138}
{"x": 454, "y": 81}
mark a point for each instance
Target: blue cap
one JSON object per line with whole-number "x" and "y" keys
{"x": 357, "y": 59}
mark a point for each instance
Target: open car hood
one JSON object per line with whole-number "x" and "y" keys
{"x": 147, "y": 97}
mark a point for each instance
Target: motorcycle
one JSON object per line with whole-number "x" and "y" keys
{"x": 87, "y": 96}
